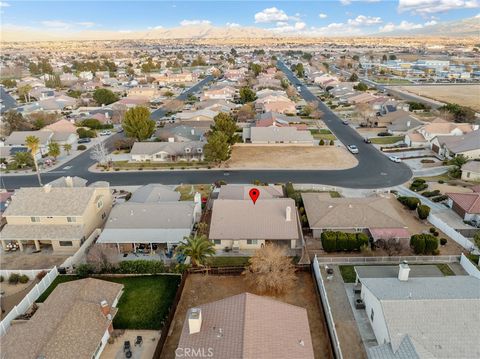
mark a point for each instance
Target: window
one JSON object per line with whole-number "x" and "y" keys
{"x": 71, "y": 219}
{"x": 371, "y": 314}
{"x": 252, "y": 241}
{"x": 35, "y": 219}
{"x": 217, "y": 241}
{"x": 65, "y": 243}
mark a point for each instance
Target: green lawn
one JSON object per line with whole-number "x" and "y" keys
{"x": 145, "y": 302}
{"x": 323, "y": 134}
{"x": 229, "y": 261}
{"x": 445, "y": 269}
{"x": 124, "y": 165}
{"x": 386, "y": 140}
{"x": 348, "y": 274}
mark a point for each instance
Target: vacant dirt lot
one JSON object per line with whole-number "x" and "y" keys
{"x": 298, "y": 157}
{"x": 465, "y": 95}
{"x": 200, "y": 289}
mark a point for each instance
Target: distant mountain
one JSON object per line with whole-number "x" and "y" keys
{"x": 460, "y": 28}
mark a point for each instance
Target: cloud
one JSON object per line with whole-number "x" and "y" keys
{"x": 4, "y": 4}
{"x": 64, "y": 25}
{"x": 362, "y": 20}
{"x": 232, "y": 24}
{"x": 403, "y": 26}
{"x": 424, "y": 7}
{"x": 322, "y": 16}
{"x": 55, "y": 23}
{"x": 158, "y": 27}
{"x": 271, "y": 14}
{"x": 195, "y": 22}
{"x": 285, "y": 27}
{"x": 430, "y": 23}
{"x": 86, "y": 24}
{"x": 477, "y": 16}
{"x": 348, "y": 2}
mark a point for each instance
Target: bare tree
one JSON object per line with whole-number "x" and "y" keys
{"x": 102, "y": 257}
{"x": 391, "y": 246}
{"x": 270, "y": 270}
{"x": 100, "y": 154}
{"x": 365, "y": 111}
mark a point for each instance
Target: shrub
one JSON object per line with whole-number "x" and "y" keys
{"x": 341, "y": 241}
{"x": 1, "y": 278}
{"x": 443, "y": 241}
{"x": 84, "y": 270}
{"x": 431, "y": 193}
{"x": 384, "y": 134}
{"x": 329, "y": 241}
{"x": 417, "y": 242}
{"x": 436, "y": 252}
{"x": 351, "y": 241}
{"x": 441, "y": 181}
{"x": 431, "y": 243}
{"x": 141, "y": 266}
{"x": 23, "y": 279}
{"x": 322, "y": 142}
{"x": 410, "y": 202}
{"x": 423, "y": 211}
{"x": 440, "y": 198}
{"x": 332, "y": 142}
{"x": 83, "y": 133}
{"x": 362, "y": 240}
{"x": 14, "y": 278}
{"x": 41, "y": 274}
{"x": 417, "y": 187}
{"x": 81, "y": 148}
{"x": 432, "y": 230}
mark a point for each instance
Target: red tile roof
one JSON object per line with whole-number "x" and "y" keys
{"x": 469, "y": 202}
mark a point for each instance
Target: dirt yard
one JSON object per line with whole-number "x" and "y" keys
{"x": 200, "y": 289}
{"x": 23, "y": 260}
{"x": 465, "y": 95}
{"x": 297, "y": 157}
{"x": 445, "y": 188}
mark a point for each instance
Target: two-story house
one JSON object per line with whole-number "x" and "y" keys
{"x": 59, "y": 217}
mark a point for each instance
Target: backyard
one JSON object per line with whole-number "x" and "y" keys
{"x": 144, "y": 304}
{"x": 200, "y": 289}
{"x": 297, "y": 157}
{"x": 187, "y": 192}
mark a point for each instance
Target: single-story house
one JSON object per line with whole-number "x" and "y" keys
{"x": 471, "y": 171}
{"x": 18, "y": 139}
{"x": 181, "y": 133}
{"x": 451, "y": 146}
{"x": 466, "y": 205}
{"x": 75, "y": 321}
{"x": 199, "y": 115}
{"x": 241, "y": 192}
{"x": 151, "y": 225}
{"x": 247, "y": 326}
{"x": 7, "y": 153}
{"x": 154, "y": 193}
{"x": 240, "y": 224}
{"x": 167, "y": 151}
{"x": 7, "y": 102}
{"x": 373, "y": 214}
{"x": 271, "y": 135}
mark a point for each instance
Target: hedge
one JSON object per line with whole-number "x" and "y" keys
{"x": 440, "y": 198}
{"x": 141, "y": 266}
{"x": 424, "y": 244}
{"x": 341, "y": 241}
{"x": 409, "y": 202}
{"x": 418, "y": 185}
{"x": 431, "y": 193}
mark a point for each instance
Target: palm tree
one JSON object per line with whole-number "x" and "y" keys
{"x": 33, "y": 144}
{"x": 198, "y": 248}
{"x": 54, "y": 150}
{"x": 67, "y": 147}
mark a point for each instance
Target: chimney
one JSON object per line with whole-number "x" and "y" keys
{"x": 192, "y": 131}
{"x": 105, "y": 308}
{"x": 403, "y": 271}
{"x": 47, "y": 188}
{"x": 69, "y": 181}
{"x": 288, "y": 214}
{"x": 409, "y": 123}
{"x": 195, "y": 320}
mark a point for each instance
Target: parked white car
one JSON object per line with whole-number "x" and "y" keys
{"x": 105, "y": 133}
{"x": 353, "y": 149}
{"x": 395, "y": 159}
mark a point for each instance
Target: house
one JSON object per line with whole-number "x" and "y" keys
{"x": 69, "y": 182}
{"x": 64, "y": 132}
{"x": 247, "y": 326}
{"x": 422, "y": 317}
{"x": 219, "y": 92}
{"x": 466, "y": 205}
{"x": 167, "y": 151}
{"x": 471, "y": 171}
{"x": 215, "y": 105}
{"x": 200, "y": 116}
{"x": 7, "y": 153}
{"x": 374, "y": 214}
{"x": 403, "y": 124}
{"x": 59, "y": 217}
{"x": 280, "y": 135}
{"x": 7, "y": 102}
{"x": 18, "y": 139}
{"x": 275, "y": 103}
{"x": 75, "y": 321}
{"x": 181, "y": 133}
{"x": 154, "y": 220}
{"x": 272, "y": 119}
{"x": 269, "y": 221}
{"x": 467, "y": 145}
{"x": 241, "y": 192}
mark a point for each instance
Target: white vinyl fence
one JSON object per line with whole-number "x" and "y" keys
{"x": 79, "y": 255}
{"x": 388, "y": 260}
{"x": 449, "y": 231}
{"x": 328, "y": 311}
{"x": 30, "y": 298}
{"x": 469, "y": 267}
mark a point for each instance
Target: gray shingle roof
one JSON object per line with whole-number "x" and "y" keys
{"x": 19, "y": 137}
{"x": 279, "y": 134}
{"x": 172, "y": 148}
{"x": 458, "y": 144}
{"x": 236, "y": 191}
{"x": 153, "y": 192}
{"x": 43, "y": 232}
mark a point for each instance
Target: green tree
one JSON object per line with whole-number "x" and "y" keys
{"x": 104, "y": 96}
{"x": 225, "y": 123}
{"x": 423, "y": 211}
{"x": 137, "y": 123}
{"x": 476, "y": 239}
{"x": 54, "y": 150}
{"x": 392, "y": 57}
{"x": 361, "y": 87}
{"x": 458, "y": 162}
{"x": 353, "y": 77}
{"x": 33, "y": 144}
{"x": 24, "y": 92}
{"x": 384, "y": 58}
{"x": 53, "y": 81}
{"x": 300, "y": 70}
{"x": 67, "y": 147}
{"x": 356, "y": 58}
{"x": 255, "y": 68}
{"x": 22, "y": 159}
{"x": 217, "y": 148}
{"x": 198, "y": 248}
{"x": 247, "y": 95}
{"x": 9, "y": 83}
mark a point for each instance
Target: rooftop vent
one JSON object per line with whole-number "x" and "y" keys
{"x": 195, "y": 320}
{"x": 403, "y": 271}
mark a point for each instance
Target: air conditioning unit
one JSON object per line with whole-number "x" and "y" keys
{"x": 199, "y": 150}
{"x": 188, "y": 150}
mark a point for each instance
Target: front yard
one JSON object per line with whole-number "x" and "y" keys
{"x": 187, "y": 191}
{"x": 126, "y": 165}
{"x": 144, "y": 304}
{"x": 386, "y": 140}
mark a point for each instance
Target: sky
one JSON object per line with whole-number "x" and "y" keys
{"x": 333, "y": 17}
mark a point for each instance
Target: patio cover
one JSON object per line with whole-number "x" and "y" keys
{"x": 147, "y": 235}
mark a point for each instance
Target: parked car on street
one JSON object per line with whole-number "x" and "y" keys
{"x": 345, "y": 122}
{"x": 84, "y": 140}
{"x": 367, "y": 140}
{"x": 105, "y": 133}
{"x": 353, "y": 149}
{"x": 395, "y": 159}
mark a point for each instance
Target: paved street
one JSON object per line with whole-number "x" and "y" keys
{"x": 374, "y": 170}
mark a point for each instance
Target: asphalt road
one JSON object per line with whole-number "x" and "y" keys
{"x": 374, "y": 170}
